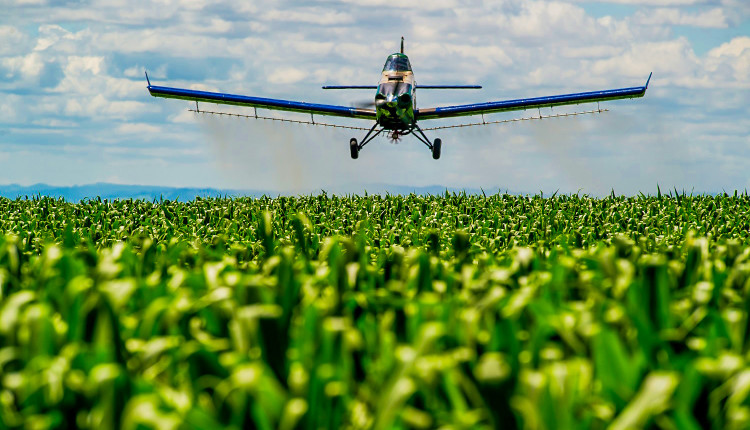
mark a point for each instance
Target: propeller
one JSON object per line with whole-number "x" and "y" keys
{"x": 363, "y": 104}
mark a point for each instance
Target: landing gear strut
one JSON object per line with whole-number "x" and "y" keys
{"x": 434, "y": 147}
{"x": 354, "y": 147}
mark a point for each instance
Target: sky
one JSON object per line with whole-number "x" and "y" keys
{"x": 74, "y": 108}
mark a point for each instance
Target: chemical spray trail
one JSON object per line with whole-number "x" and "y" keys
{"x": 258, "y": 154}
{"x": 560, "y": 139}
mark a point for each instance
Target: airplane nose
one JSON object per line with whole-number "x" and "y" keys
{"x": 391, "y": 102}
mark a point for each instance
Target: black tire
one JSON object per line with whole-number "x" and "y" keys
{"x": 354, "y": 148}
{"x": 436, "y": 148}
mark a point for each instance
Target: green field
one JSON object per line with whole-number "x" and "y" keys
{"x": 454, "y": 312}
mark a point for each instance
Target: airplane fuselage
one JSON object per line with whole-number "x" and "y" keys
{"x": 394, "y": 101}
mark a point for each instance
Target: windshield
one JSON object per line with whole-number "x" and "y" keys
{"x": 395, "y": 88}
{"x": 397, "y": 63}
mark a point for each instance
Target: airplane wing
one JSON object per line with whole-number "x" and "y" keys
{"x": 537, "y": 102}
{"x": 259, "y": 102}
{"x": 427, "y": 87}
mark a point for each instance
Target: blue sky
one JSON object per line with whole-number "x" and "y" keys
{"x": 74, "y": 108}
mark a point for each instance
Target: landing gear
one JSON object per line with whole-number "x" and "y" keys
{"x": 355, "y": 147}
{"x": 436, "y": 148}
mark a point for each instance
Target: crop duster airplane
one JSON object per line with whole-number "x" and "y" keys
{"x": 395, "y": 108}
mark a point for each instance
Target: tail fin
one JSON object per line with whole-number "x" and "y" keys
{"x": 402, "y": 44}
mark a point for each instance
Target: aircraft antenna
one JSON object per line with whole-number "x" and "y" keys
{"x": 402, "y": 44}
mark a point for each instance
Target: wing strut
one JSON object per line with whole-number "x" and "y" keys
{"x": 371, "y": 136}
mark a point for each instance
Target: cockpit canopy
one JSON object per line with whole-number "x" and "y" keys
{"x": 397, "y": 63}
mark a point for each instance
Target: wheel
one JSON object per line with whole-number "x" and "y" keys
{"x": 354, "y": 148}
{"x": 436, "y": 148}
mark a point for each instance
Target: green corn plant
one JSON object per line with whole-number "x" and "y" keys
{"x": 452, "y": 311}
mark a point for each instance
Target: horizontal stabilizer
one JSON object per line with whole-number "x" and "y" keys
{"x": 350, "y": 87}
{"x": 427, "y": 87}
{"x": 450, "y": 87}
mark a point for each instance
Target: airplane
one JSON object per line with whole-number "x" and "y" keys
{"x": 395, "y": 108}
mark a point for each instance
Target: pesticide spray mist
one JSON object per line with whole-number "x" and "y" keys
{"x": 609, "y": 151}
{"x": 592, "y": 153}
{"x": 290, "y": 158}
{"x": 269, "y": 155}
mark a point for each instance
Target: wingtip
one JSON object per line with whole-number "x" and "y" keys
{"x": 147, "y": 80}
{"x": 649, "y": 79}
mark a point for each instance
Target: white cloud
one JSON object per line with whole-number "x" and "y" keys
{"x": 84, "y": 64}
{"x": 202, "y": 87}
{"x": 735, "y": 48}
{"x": 515, "y": 48}
{"x": 317, "y": 16}
{"x": 485, "y": 56}
{"x": 49, "y": 35}
{"x": 427, "y": 6}
{"x": 286, "y": 75}
{"x": 592, "y": 51}
{"x": 741, "y": 6}
{"x": 9, "y": 108}
{"x": 137, "y": 71}
{"x": 218, "y": 25}
{"x": 183, "y": 116}
{"x": 13, "y": 40}
{"x": 29, "y": 2}
{"x": 26, "y": 66}
{"x": 714, "y": 18}
{"x": 671, "y": 61}
{"x": 99, "y": 107}
{"x": 658, "y": 2}
{"x": 54, "y": 123}
{"x": 734, "y": 56}
{"x": 137, "y": 128}
{"x": 311, "y": 47}
{"x": 556, "y": 19}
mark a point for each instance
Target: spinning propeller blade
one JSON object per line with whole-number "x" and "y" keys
{"x": 363, "y": 104}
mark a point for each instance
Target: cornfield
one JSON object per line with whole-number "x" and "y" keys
{"x": 376, "y": 312}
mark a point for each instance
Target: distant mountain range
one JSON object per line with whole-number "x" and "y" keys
{"x": 109, "y": 191}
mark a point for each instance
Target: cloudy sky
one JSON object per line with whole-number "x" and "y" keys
{"x": 74, "y": 108}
